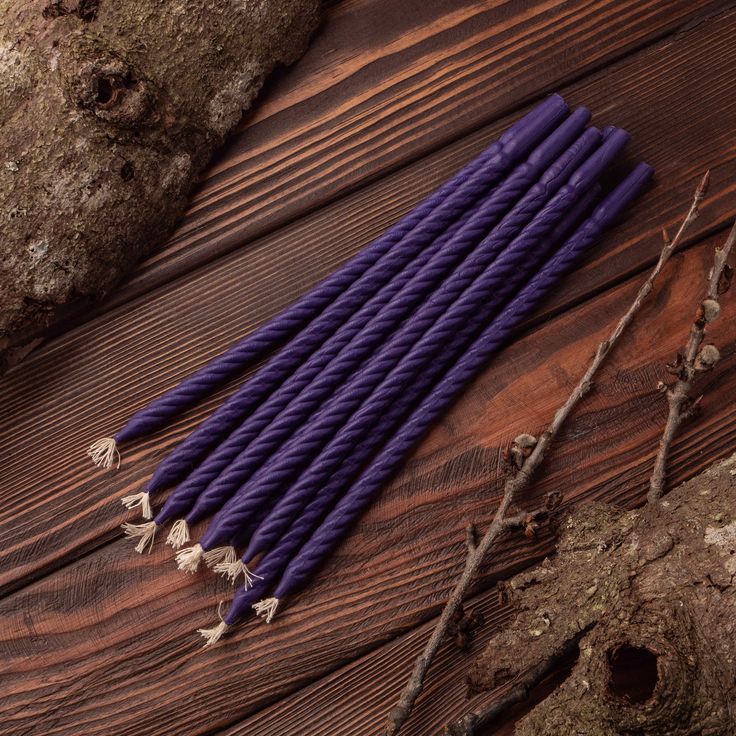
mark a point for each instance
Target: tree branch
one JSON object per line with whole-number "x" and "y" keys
{"x": 694, "y": 361}
{"x": 516, "y": 484}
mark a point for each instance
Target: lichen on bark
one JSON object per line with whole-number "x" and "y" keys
{"x": 108, "y": 112}
{"x": 650, "y": 598}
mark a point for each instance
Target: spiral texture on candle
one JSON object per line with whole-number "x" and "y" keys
{"x": 329, "y": 376}
{"x": 275, "y": 562}
{"x": 338, "y": 522}
{"x": 187, "y": 498}
{"x": 359, "y": 428}
{"x": 438, "y": 207}
{"x": 487, "y": 288}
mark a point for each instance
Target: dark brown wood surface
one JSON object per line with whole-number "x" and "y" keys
{"x": 389, "y": 101}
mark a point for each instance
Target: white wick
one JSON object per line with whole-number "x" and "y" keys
{"x": 179, "y": 534}
{"x": 266, "y": 608}
{"x": 188, "y": 559}
{"x": 213, "y": 635}
{"x": 139, "y": 499}
{"x": 104, "y": 452}
{"x": 233, "y": 570}
{"x": 220, "y": 554}
{"x": 145, "y": 533}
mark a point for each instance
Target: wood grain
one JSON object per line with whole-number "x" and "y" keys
{"x": 384, "y": 83}
{"x": 89, "y": 381}
{"x": 105, "y": 645}
{"x": 390, "y": 101}
{"x": 354, "y": 699}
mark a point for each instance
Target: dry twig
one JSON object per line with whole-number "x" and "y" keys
{"x": 519, "y": 482}
{"x": 518, "y": 692}
{"x": 694, "y": 361}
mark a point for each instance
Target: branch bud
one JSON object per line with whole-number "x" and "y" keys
{"x": 521, "y": 448}
{"x": 711, "y": 310}
{"x": 707, "y": 358}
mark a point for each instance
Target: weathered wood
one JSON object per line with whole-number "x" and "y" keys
{"x": 384, "y": 83}
{"x": 106, "y": 643}
{"x": 85, "y": 384}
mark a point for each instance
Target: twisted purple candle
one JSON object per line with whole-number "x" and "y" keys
{"x": 365, "y": 331}
{"x": 341, "y": 518}
{"x": 440, "y": 318}
{"x": 273, "y": 564}
{"x": 421, "y": 226}
{"x": 186, "y": 456}
{"x": 329, "y": 475}
{"x": 291, "y": 538}
{"x": 187, "y": 498}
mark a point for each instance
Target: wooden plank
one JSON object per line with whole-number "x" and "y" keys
{"x": 87, "y": 383}
{"x": 105, "y": 645}
{"x": 382, "y": 84}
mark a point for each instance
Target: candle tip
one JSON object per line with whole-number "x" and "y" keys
{"x": 213, "y": 635}
{"x": 104, "y": 452}
{"x": 219, "y": 554}
{"x": 179, "y": 534}
{"x": 233, "y": 570}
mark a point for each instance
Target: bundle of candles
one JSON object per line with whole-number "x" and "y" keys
{"x": 366, "y": 362}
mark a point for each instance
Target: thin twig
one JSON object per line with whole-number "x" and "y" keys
{"x": 468, "y": 724}
{"x": 694, "y": 361}
{"x": 514, "y": 485}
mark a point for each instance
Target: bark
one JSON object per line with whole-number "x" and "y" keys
{"x": 650, "y": 598}
{"x": 108, "y": 112}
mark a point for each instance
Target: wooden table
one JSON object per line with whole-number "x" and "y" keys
{"x": 390, "y": 100}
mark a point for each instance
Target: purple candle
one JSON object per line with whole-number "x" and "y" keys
{"x": 329, "y": 475}
{"x": 275, "y": 562}
{"x": 341, "y": 518}
{"x": 189, "y": 453}
{"x": 294, "y": 536}
{"x": 419, "y": 227}
{"x": 253, "y": 498}
{"x": 485, "y": 289}
{"x": 327, "y": 369}
{"x": 187, "y": 498}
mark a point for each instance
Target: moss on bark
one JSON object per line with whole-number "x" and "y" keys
{"x": 108, "y": 112}
{"x": 651, "y": 597}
